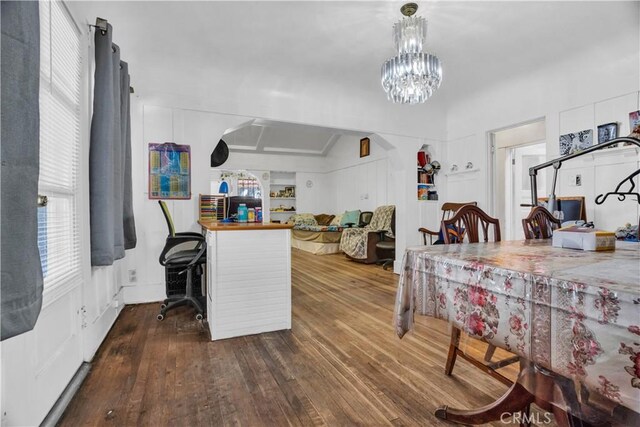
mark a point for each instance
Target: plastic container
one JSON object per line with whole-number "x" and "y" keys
{"x": 258, "y": 214}
{"x": 243, "y": 213}
{"x": 251, "y": 215}
{"x": 423, "y": 192}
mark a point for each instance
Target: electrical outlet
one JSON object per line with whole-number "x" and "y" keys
{"x": 578, "y": 180}
{"x": 133, "y": 276}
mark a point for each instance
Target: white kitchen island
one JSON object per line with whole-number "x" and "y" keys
{"x": 248, "y": 278}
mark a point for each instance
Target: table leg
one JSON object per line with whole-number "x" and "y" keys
{"x": 518, "y": 398}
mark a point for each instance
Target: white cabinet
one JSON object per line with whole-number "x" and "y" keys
{"x": 248, "y": 280}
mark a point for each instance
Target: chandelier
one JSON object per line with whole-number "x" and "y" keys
{"x": 411, "y": 76}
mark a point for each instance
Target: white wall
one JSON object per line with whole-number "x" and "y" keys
{"x": 601, "y": 171}
{"x": 357, "y": 183}
{"x": 341, "y": 181}
{"x": 587, "y": 79}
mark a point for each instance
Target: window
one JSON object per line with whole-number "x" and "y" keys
{"x": 60, "y": 92}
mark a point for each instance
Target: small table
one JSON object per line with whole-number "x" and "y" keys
{"x": 573, "y": 314}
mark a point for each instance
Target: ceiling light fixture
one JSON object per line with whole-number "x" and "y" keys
{"x": 411, "y": 76}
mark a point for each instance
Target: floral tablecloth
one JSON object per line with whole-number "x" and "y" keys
{"x": 575, "y": 313}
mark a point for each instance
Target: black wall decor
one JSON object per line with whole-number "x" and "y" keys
{"x": 220, "y": 154}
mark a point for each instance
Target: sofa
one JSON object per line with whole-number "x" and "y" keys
{"x": 318, "y": 234}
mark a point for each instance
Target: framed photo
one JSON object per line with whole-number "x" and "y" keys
{"x": 289, "y": 191}
{"x": 364, "y": 147}
{"x": 607, "y": 133}
{"x": 634, "y": 122}
{"x": 575, "y": 142}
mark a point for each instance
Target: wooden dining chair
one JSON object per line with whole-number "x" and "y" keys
{"x": 539, "y": 224}
{"x": 448, "y": 209}
{"x": 465, "y": 226}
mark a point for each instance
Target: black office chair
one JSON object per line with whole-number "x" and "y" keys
{"x": 189, "y": 261}
{"x": 386, "y": 247}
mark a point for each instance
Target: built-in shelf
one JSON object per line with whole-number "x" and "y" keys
{"x": 459, "y": 172}
{"x": 283, "y": 189}
{"x": 624, "y": 150}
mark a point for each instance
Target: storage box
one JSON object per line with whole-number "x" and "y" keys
{"x": 587, "y": 239}
{"x": 176, "y": 283}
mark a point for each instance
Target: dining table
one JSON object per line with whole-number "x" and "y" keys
{"x": 572, "y": 316}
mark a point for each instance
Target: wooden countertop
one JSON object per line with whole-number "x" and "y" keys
{"x": 240, "y": 226}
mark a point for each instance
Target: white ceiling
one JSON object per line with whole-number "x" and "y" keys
{"x": 221, "y": 49}
{"x": 272, "y": 137}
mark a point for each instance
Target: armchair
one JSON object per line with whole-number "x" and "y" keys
{"x": 359, "y": 244}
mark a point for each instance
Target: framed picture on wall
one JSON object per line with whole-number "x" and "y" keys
{"x": 169, "y": 171}
{"x": 289, "y": 191}
{"x": 634, "y": 122}
{"x": 575, "y": 142}
{"x": 607, "y": 133}
{"x": 364, "y": 147}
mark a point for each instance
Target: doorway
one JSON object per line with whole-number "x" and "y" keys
{"x": 518, "y": 185}
{"x": 515, "y": 149}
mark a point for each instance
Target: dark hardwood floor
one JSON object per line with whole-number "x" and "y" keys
{"x": 341, "y": 364}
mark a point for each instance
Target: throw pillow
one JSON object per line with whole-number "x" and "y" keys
{"x": 336, "y": 220}
{"x": 324, "y": 219}
{"x": 350, "y": 217}
{"x": 305, "y": 219}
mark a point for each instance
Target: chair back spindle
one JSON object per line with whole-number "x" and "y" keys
{"x": 466, "y": 224}
{"x": 448, "y": 209}
{"x": 539, "y": 224}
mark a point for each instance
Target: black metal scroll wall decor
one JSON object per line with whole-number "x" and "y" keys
{"x": 623, "y": 190}
{"x": 622, "y": 194}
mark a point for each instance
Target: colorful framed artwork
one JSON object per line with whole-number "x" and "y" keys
{"x": 364, "y": 147}
{"x": 169, "y": 171}
{"x": 634, "y": 122}
{"x": 607, "y": 132}
{"x": 575, "y": 142}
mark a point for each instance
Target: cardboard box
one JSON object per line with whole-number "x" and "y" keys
{"x": 587, "y": 239}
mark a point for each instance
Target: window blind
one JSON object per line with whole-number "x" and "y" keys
{"x": 60, "y": 91}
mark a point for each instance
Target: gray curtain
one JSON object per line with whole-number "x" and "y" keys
{"x": 110, "y": 148}
{"x": 129, "y": 225}
{"x": 21, "y": 271}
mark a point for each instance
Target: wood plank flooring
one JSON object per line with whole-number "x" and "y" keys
{"x": 340, "y": 365}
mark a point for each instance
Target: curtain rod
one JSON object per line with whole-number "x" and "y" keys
{"x": 103, "y": 25}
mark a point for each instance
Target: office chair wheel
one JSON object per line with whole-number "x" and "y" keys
{"x": 163, "y": 306}
{"x": 199, "y": 316}
{"x": 160, "y": 317}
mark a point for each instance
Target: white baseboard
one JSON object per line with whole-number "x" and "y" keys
{"x": 141, "y": 294}
{"x": 96, "y": 332}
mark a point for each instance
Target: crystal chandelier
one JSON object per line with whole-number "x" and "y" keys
{"x": 411, "y": 76}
